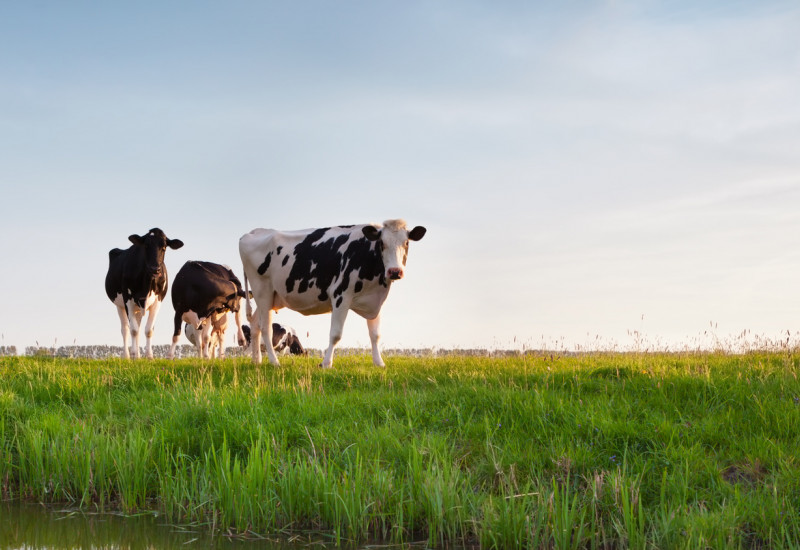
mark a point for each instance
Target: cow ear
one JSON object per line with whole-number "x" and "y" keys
{"x": 417, "y": 233}
{"x": 174, "y": 244}
{"x": 135, "y": 239}
{"x": 371, "y": 232}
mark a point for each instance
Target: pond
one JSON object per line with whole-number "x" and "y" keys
{"x": 35, "y": 527}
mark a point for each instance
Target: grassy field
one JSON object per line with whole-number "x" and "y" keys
{"x": 597, "y": 450}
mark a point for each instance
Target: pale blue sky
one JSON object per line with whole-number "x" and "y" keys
{"x": 584, "y": 169}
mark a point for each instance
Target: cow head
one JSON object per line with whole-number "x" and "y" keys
{"x": 155, "y": 245}
{"x": 295, "y": 347}
{"x": 393, "y": 239}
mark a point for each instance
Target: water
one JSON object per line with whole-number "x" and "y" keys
{"x": 34, "y": 527}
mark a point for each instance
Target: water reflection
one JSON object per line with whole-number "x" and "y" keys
{"x": 32, "y": 527}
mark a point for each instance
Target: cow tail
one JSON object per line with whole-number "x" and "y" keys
{"x": 248, "y": 305}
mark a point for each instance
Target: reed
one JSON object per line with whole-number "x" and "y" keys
{"x": 593, "y": 450}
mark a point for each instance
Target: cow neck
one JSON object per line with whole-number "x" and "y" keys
{"x": 145, "y": 282}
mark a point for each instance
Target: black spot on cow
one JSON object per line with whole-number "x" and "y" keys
{"x": 359, "y": 286}
{"x": 264, "y": 266}
{"x": 339, "y": 302}
{"x": 278, "y": 251}
{"x": 316, "y": 260}
{"x": 285, "y": 260}
{"x": 319, "y": 261}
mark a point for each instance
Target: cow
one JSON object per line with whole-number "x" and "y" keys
{"x": 213, "y": 340}
{"x": 136, "y": 283}
{"x": 284, "y": 339}
{"x": 328, "y": 270}
{"x": 202, "y": 295}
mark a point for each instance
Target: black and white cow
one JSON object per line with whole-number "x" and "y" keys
{"x": 202, "y": 294}
{"x": 137, "y": 283}
{"x": 284, "y": 339}
{"x": 334, "y": 269}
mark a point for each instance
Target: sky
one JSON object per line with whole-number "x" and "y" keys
{"x": 591, "y": 174}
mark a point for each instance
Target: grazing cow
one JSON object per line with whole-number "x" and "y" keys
{"x": 202, "y": 294}
{"x": 284, "y": 339}
{"x": 137, "y": 282}
{"x": 213, "y": 339}
{"x": 334, "y": 269}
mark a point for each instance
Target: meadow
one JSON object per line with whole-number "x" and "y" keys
{"x": 536, "y": 450}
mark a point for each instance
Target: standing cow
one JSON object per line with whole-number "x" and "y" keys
{"x": 334, "y": 269}
{"x": 202, "y": 294}
{"x": 137, "y": 283}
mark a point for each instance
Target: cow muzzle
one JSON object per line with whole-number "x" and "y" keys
{"x": 394, "y": 273}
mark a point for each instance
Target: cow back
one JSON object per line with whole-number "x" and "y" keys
{"x": 206, "y": 287}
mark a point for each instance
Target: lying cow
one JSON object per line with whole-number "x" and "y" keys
{"x": 202, "y": 294}
{"x": 137, "y": 283}
{"x": 284, "y": 339}
{"x": 334, "y": 269}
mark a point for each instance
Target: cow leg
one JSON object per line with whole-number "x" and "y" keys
{"x": 374, "y": 327}
{"x": 267, "y": 328}
{"x": 205, "y": 337}
{"x": 152, "y": 312}
{"x": 176, "y": 335}
{"x": 262, "y": 322}
{"x": 213, "y": 339}
{"x": 219, "y": 340}
{"x": 212, "y": 344}
{"x": 135, "y": 315}
{"x": 220, "y": 327}
{"x": 240, "y": 339}
{"x": 255, "y": 337}
{"x": 338, "y": 316}
{"x": 123, "y": 319}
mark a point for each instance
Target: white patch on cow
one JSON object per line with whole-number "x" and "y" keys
{"x": 150, "y": 300}
{"x": 192, "y": 318}
{"x": 395, "y": 247}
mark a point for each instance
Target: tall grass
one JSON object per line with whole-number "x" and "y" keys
{"x": 600, "y": 450}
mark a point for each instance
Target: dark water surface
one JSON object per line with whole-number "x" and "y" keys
{"x": 35, "y": 527}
